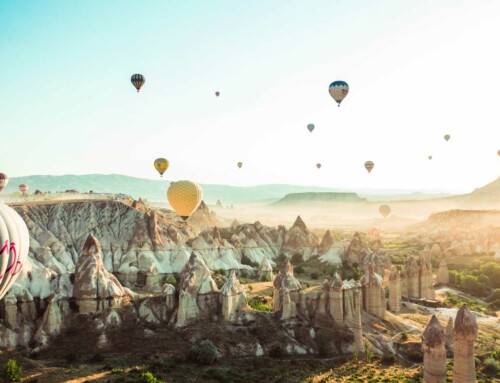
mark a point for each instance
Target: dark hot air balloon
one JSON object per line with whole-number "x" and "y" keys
{"x": 369, "y": 166}
{"x": 338, "y": 90}
{"x": 138, "y": 81}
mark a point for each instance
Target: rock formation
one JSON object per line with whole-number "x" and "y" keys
{"x": 299, "y": 240}
{"x": 433, "y": 343}
{"x": 329, "y": 250}
{"x": 286, "y": 286}
{"x": 373, "y": 293}
{"x": 412, "y": 278}
{"x": 394, "y": 290}
{"x": 426, "y": 281}
{"x": 265, "y": 272}
{"x": 356, "y": 323}
{"x": 449, "y": 335}
{"x": 464, "y": 334}
{"x": 233, "y": 297}
{"x": 336, "y": 299}
{"x": 443, "y": 276}
{"x": 95, "y": 288}
{"x": 357, "y": 250}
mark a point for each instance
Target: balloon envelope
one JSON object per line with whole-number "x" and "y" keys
{"x": 318, "y": 165}
{"x": 14, "y": 247}
{"x": 161, "y": 165}
{"x": 4, "y": 180}
{"x": 369, "y": 166}
{"x": 310, "y": 127}
{"x": 23, "y": 188}
{"x": 240, "y": 164}
{"x": 184, "y": 197}
{"x": 447, "y": 137}
{"x": 498, "y": 152}
{"x": 430, "y": 157}
{"x": 217, "y": 94}
{"x": 385, "y": 210}
{"x": 138, "y": 81}
{"x": 338, "y": 90}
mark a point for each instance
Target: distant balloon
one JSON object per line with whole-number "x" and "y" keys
{"x": 385, "y": 210}
{"x": 217, "y": 93}
{"x": 369, "y": 166}
{"x": 4, "y": 180}
{"x": 374, "y": 232}
{"x": 310, "y": 127}
{"x": 161, "y": 165}
{"x": 447, "y": 137}
{"x": 14, "y": 247}
{"x": 338, "y": 90}
{"x": 184, "y": 197}
{"x": 23, "y": 188}
{"x": 138, "y": 81}
{"x": 240, "y": 164}
{"x": 497, "y": 153}
{"x": 318, "y": 165}
{"x": 430, "y": 157}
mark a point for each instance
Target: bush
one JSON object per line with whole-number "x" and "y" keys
{"x": 12, "y": 371}
{"x": 275, "y": 350}
{"x": 96, "y": 358}
{"x": 314, "y": 275}
{"x": 204, "y": 352}
{"x": 388, "y": 358}
{"x": 260, "y": 303}
{"x": 148, "y": 377}
{"x": 404, "y": 337}
{"x": 247, "y": 261}
{"x": 491, "y": 366}
{"x": 299, "y": 270}
{"x": 171, "y": 281}
{"x": 297, "y": 258}
{"x": 71, "y": 357}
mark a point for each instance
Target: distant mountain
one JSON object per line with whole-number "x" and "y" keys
{"x": 312, "y": 198}
{"x": 488, "y": 194}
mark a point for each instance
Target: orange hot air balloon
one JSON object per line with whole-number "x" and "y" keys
{"x": 385, "y": 210}
{"x": 184, "y": 197}
{"x": 369, "y": 166}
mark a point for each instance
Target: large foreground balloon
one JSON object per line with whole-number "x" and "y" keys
{"x": 369, "y": 166}
{"x": 240, "y": 164}
{"x": 138, "y": 81}
{"x": 338, "y": 90}
{"x": 184, "y": 197}
{"x": 23, "y": 188}
{"x": 4, "y": 180}
{"x": 385, "y": 210}
{"x": 310, "y": 127}
{"x": 447, "y": 137}
{"x": 161, "y": 165}
{"x": 14, "y": 247}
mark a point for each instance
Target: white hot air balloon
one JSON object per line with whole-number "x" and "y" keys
{"x": 14, "y": 247}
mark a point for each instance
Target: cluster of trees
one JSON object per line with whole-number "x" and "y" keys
{"x": 483, "y": 282}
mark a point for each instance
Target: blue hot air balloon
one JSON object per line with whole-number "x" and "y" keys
{"x": 338, "y": 90}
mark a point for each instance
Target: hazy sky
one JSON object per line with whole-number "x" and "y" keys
{"x": 417, "y": 70}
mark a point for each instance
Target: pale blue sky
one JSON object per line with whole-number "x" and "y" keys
{"x": 417, "y": 70}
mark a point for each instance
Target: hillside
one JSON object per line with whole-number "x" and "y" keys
{"x": 488, "y": 194}
{"x": 312, "y": 198}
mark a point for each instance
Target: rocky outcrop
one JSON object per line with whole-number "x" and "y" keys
{"x": 357, "y": 251}
{"x": 412, "y": 273}
{"x": 287, "y": 290}
{"x": 443, "y": 276}
{"x": 394, "y": 290}
{"x": 449, "y": 335}
{"x": 373, "y": 293}
{"x": 336, "y": 296}
{"x": 299, "y": 240}
{"x": 95, "y": 287}
{"x": 433, "y": 343}
{"x": 233, "y": 297}
{"x": 331, "y": 251}
{"x": 265, "y": 272}
{"x": 426, "y": 281}
{"x": 464, "y": 334}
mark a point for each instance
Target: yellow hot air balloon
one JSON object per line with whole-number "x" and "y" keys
{"x": 369, "y": 166}
{"x": 161, "y": 165}
{"x": 184, "y": 197}
{"x": 385, "y": 210}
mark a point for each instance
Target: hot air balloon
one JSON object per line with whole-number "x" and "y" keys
{"x": 138, "y": 81}
{"x": 217, "y": 93}
{"x": 14, "y": 247}
{"x": 310, "y": 127}
{"x": 184, "y": 197}
{"x": 23, "y": 188}
{"x": 338, "y": 90}
{"x": 240, "y": 164}
{"x": 497, "y": 153}
{"x": 385, "y": 210}
{"x": 161, "y": 165}
{"x": 430, "y": 157}
{"x": 4, "y": 180}
{"x": 374, "y": 232}
{"x": 369, "y": 166}
{"x": 318, "y": 165}
{"x": 447, "y": 137}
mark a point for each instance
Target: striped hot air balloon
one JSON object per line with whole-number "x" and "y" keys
{"x": 14, "y": 247}
{"x": 137, "y": 81}
{"x": 184, "y": 197}
{"x": 369, "y": 166}
{"x": 4, "y": 180}
{"x": 338, "y": 90}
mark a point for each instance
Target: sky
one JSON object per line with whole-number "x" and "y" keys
{"x": 417, "y": 70}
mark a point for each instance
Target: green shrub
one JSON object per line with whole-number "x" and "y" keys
{"x": 404, "y": 337}
{"x": 12, "y": 371}
{"x": 314, "y": 275}
{"x": 148, "y": 377}
{"x": 171, "y": 281}
{"x": 247, "y": 261}
{"x": 491, "y": 366}
{"x": 297, "y": 258}
{"x": 71, "y": 357}
{"x": 204, "y": 352}
{"x": 96, "y": 358}
{"x": 388, "y": 358}
{"x": 260, "y": 303}
{"x": 299, "y": 270}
